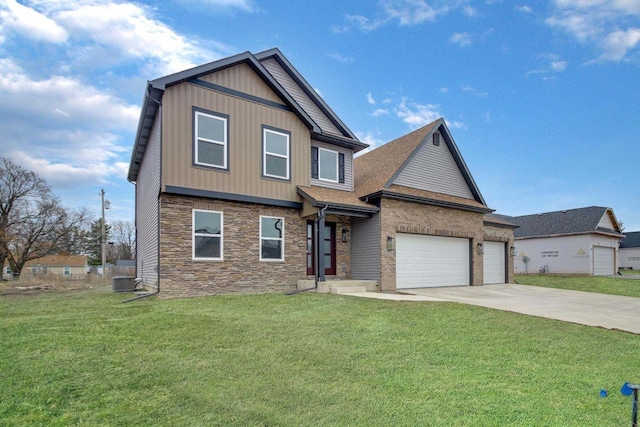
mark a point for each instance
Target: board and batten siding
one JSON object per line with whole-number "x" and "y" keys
{"x": 147, "y": 205}
{"x": 243, "y": 79}
{"x": 348, "y": 168}
{"x": 433, "y": 168}
{"x": 245, "y": 121}
{"x": 365, "y": 248}
{"x": 300, "y": 96}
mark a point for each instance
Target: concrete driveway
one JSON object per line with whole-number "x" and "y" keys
{"x": 586, "y": 308}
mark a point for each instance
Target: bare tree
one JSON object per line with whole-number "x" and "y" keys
{"x": 124, "y": 235}
{"x": 19, "y": 188}
{"x": 33, "y": 223}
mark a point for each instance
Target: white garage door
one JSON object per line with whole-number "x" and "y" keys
{"x": 603, "y": 261}
{"x": 429, "y": 261}
{"x": 493, "y": 263}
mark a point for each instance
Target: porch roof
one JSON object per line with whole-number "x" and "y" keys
{"x": 344, "y": 201}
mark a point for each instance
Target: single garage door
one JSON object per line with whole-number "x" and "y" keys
{"x": 494, "y": 262}
{"x": 430, "y": 261}
{"x": 603, "y": 261}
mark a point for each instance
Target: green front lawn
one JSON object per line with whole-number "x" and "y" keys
{"x": 598, "y": 284}
{"x": 83, "y": 358}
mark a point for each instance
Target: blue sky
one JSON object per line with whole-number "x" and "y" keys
{"x": 542, "y": 98}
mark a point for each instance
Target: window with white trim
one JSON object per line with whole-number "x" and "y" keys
{"x": 327, "y": 165}
{"x": 66, "y": 271}
{"x": 207, "y": 235}
{"x": 210, "y": 139}
{"x": 275, "y": 153}
{"x": 271, "y": 238}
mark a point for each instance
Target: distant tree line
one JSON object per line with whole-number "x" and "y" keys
{"x": 34, "y": 223}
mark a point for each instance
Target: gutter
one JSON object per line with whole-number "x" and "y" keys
{"x": 158, "y": 222}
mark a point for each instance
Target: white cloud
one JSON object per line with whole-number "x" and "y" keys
{"x": 406, "y": 12}
{"x": 65, "y": 97}
{"x": 244, "y": 5}
{"x": 380, "y": 112}
{"x": 552, "y": 64}
{"x": 370, "y": 99}
{"x": 443, "y": 90}
{"x": 417, "y": 115}
{"x": 476, "y": 92}
{"x": 610, "y": 26}
{"x": 29, "y": 23}
{"x": 341, "y": 58}
{"x": 370, "y": 139}
{"x": 524, "y": 9}
{"x": 461, "y": 39}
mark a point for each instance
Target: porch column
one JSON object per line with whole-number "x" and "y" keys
{"x": 320, "y": 248}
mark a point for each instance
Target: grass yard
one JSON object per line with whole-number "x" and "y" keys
{"x": 598, "y": 284}
{"x": 83, "y": 358}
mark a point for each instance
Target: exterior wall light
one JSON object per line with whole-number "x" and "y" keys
{"x": 480, "y": 248}
{"x": 346, "y": 235}
{"x": 391, "y": 243}
{"x": 513, "y": 251}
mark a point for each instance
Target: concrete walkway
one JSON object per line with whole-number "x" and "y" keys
{"x": 586, "y": 308}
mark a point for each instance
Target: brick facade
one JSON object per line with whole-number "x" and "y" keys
{"x": 398, "y": 216}
{"x": 241, "y": 270}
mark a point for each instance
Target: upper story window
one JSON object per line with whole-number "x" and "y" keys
{"x": 271, "y": 238}
{"x": 276, "y": 147}
{"x": 327, "y": 165}
{"x": 207, "y": 235}
{"x": 210, "y": 139}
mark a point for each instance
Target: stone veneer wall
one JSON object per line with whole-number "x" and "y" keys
{"x": 500, "y": 234}
{"x": 407, "y": 217}
{"x": 241, "y": 271}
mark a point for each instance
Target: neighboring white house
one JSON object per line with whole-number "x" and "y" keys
{"x": 572, "y": 241}
{"x": 629, "y": 252}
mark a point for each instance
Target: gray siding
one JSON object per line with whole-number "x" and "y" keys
{"x": 434, "y": 169}
{"x": 365, "y": 248}
{"x": 348, "y": 168}
{"x": 300, "y": 97}
{"x": 147, "y": 191}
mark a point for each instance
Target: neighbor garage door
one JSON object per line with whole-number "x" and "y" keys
{"x": 428, "y": 261}
{"x": 603, "y": 261}
{"x": 493, "y": 263}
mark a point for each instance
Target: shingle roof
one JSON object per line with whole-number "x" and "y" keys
{"x": 374, "y": 171}
{"x": 499, "y": 220}
{"x": 320, "y": 196}
{"x": 631, "y": 240}
{"x": 570, "y": 221}
{"x": 59, "y": 261}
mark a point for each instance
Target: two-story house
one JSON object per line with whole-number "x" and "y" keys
{"x": 246, "y": 183}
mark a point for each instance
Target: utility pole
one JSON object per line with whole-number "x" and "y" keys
{"x": 103, "y": 243}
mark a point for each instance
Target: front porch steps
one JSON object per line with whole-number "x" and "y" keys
{"x": 340, "y": 286}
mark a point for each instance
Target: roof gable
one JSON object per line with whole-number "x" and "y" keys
{"x": 296, "y": 85}
{"x": 566, "y": 222}
{"x": 410, "y": 162}
{"x": 155, "y": 90}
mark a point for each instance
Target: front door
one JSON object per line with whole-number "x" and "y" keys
{"x": 327, "y": 248}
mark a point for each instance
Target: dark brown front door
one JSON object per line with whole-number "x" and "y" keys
{"x": 327, "y": 248}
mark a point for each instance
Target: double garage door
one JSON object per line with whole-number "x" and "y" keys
{"x": 433, "y": 261}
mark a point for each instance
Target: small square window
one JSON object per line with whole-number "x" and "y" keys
{"x": 210, "y": 139}
{"x": 207, "y": 235}
{"x": 271, "y": 238}
{"x": 275, "y": 149}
